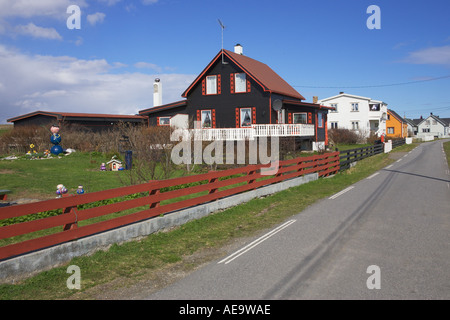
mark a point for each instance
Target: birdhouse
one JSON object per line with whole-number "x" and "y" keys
{"x": 114, "y": 164}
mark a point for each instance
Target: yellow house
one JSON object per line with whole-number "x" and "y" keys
{"x": 396, "y": 126}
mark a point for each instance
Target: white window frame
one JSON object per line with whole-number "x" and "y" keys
{"x": 203, "y": 114}
{"x": 302, "y": 113}
{"x": 355, "y": 106}
{"x": 211, "y": 87}
{"x": 240, "y": 82}
{"x": 159, "y": 121}
{"x": 355, "y": 125}
{"x": 391, "y": 130}
{"x": 242, "y": 116}
{"x": 334, "y": 125}
{"x": 334, "y": 105}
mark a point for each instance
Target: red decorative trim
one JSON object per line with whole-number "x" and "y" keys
{"x": 232, "y": 83}
{"x": 237, "y": 118}
{"x": 204, "y": 86}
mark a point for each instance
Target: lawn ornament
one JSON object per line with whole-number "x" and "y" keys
{"x": 80, "y": 190}
{"x": 61, "y": 190}
{"x": 103, "y": 167}
{"x": 55, "y": 138}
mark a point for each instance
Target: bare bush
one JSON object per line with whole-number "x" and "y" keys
{"x": 343, "y": 136}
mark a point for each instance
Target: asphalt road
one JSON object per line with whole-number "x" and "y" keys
{"x": 385, "y": 237}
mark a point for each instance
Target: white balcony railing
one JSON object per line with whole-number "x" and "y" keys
{"x": 256, "y": 130}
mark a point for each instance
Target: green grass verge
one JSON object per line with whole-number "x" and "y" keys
{"x": 447, "y": 151}
{"x": 134, "y": 259}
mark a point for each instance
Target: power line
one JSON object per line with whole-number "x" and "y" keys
{"x": 376, "y": 86}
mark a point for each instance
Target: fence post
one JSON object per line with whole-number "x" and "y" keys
{"x": 153, "y": 192}
{"x": 212, "y": 190}
{"x": 73, "y": 225}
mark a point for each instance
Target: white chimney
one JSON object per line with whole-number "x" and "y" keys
{"x": 157, "y": 93}
{"x": 238, "y": 49}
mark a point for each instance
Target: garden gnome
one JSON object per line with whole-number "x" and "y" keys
{"x": 60, "y": 190}
{"x": 80, "y": 190}
{"x": 55, "y": 138}
{"x": 103, "y": 167}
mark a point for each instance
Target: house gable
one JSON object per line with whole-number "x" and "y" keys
{"x": 258, "y": 72}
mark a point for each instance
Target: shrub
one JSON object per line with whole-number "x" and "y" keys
{"x": 343, "y": 136}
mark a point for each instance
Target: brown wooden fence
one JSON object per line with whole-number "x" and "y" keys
{"x": 151, "y": 199}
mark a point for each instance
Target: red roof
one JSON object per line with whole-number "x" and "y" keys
{"x": 258, "y": 71}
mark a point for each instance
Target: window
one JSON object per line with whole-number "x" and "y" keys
{"x": 163, "y": 121}
{"x": 335, "y": 106}
{"x": 355, "y": 125}
{"x": 355, "y": 106}
{"x": 434, "y": 122}
{"x": 211, "y": 85}
{"x": 334, "y": 125}
{"x": 390, "y": 130}
{"x": 299, "y": 118}
{"x": 240, "y": 82}
{"x": 389, "y": 116}
{"x": 320, "y": 120}
{"x": 206, "y": 119}
{"x": 374, "y": 107}
{"x": 424, "y": 130}
{"x": 245, "y": 117}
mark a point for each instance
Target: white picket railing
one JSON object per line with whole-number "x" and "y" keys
{"x": 256, "y": 130}
{"x": 283, "y": 130}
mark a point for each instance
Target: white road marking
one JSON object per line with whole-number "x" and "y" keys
{"x": 256, "y": 242}
{"x": 399, "y": 160}
{"x": 390, "y": 166}
{"x": 375, "y": 174}
{"x": 341, "y": 193}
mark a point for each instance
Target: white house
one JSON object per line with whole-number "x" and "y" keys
{"x": 433, "y": 126}
{"x": 352, "y": 112}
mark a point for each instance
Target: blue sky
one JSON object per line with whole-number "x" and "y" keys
{"x": 320, "y": 47}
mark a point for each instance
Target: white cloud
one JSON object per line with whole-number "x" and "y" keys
{"x": 147, "y": 65}
{"x": 432, "y": 55}
{"x": 38, "y": 32}
{"x": 95, "y": 18}
{"x": 65, "y": 83}
{"x": 33, "y": 8}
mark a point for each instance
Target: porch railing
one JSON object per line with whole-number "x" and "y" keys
{"x": 256, "y": 130}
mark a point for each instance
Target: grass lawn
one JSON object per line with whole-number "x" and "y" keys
{"x": 38, "y": 179}
{"x": 134, "y": 261}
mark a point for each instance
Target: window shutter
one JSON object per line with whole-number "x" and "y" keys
{"x": 213, "y": 115}
{"x": 237, "y": 118}
{"x": 254, "y": 115}
{"x": 309, "y": 117}
{"x": 199, "y": 117}
{"x": 232, "y": 83}
{"x": 249, "y": 87}
{"x": 203, "y": 86}
{"x": 219, "y": 84}
{"x": 290, "y": 118}
{"x": 157, "y": 121}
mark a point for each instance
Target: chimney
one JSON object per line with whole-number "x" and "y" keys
{"x": 157, "y": 93}
{"x": 341, "y": 92}
{"x": 238, "y": 49}
{"x": 315, "y": 99}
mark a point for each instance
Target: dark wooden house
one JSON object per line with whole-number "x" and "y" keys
{"x": 91, "y": 121}
{"x": 235, "y": 92}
